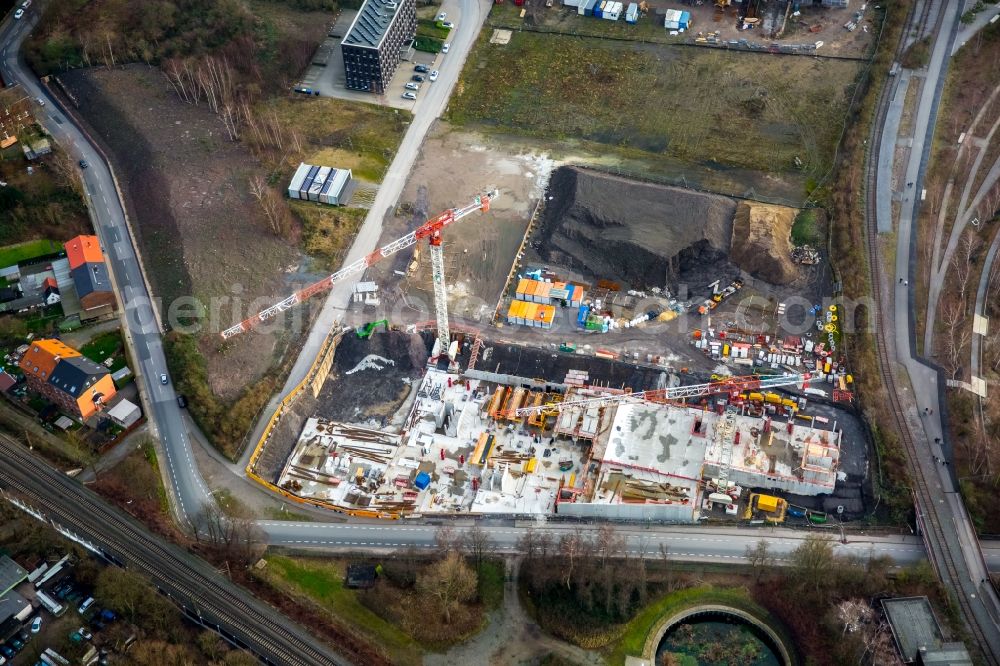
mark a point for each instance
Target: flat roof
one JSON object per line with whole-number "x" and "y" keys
{"x": 913, "y": 625}
{"x": 11, "y": 574}
{"x": 372, "y": 23}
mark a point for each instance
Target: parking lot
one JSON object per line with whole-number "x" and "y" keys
{"x": 58, "y": 619}
{"x": 327, "y": 80}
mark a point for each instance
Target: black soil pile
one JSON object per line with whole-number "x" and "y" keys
{"x": 372, "y": 393}
{"x": 642, "y": 234}
{"x": 359, "y": 389}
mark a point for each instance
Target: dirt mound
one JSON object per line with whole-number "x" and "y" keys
{"x": 761, "y": 243}
{"x": 639, "y": 233}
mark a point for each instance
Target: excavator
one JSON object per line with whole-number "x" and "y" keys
{"x": 364, "y": 332}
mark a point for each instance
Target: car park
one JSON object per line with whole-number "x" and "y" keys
{"x": 423, "y": 69}
{"x": 409, "y": 95}
{"x": 434, "y": 75}
{"x": 444, "y": 49}
{"x": 412, "y": 86}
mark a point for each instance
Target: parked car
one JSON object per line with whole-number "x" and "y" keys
{"x": 19, "y": 13}
{"x": 444, "y": 49}
{"x": 41, "y": 102}
{"x": 182, "y": 401}
{"x": 17, "y": 644}
{"x": 85, "y": 606}
{"x": 447, "y": 24}
{"x": 442, "y": 16}
{"x": 423, "y": 69}
{"x": 434, "y": 75}
{"x": 83, "y": 632}
{"x": 417, "y": 78}
{"x": 7, "y": 652}
{"x": 36, "y": 625}
{"x": 409, "y": 95}
{"x": 412, "y": 86}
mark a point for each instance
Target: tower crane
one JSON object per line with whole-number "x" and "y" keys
{"x": 730, "y": 385}
{"x": 431, "y": 230}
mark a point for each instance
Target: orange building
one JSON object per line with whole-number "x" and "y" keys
{"x": 76, "y": 384}
{"x": 83, "y": 250}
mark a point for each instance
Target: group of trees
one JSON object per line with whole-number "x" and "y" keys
{"x": 586, "y": 577}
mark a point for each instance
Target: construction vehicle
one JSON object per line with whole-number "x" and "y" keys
{"x": 431, "y": 230}
{"x": 365, "y": 332}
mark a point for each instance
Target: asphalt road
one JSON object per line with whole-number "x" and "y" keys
{"x": 140, "y": 324}
{"x": 468, "y": 16}
{"x": 188, "y": 488}
{"x": 204, "y": 594}
{"x": 958, "y": 538}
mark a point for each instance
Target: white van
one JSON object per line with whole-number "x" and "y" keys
{"x": 86, "y": 605}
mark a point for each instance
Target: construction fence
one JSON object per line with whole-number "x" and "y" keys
{"x": 313, "y": 380}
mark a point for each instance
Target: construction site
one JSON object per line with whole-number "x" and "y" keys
{"x": 657, "y": 353}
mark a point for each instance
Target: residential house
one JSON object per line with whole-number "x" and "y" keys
{"x": 90, "y": 274}
{"x": 61, "y": 374}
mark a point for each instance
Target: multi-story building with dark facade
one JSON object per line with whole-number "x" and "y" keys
{"x": 375, "y": 43}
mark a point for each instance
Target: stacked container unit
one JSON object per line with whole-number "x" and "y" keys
{"x": 586, "y": 8}
{"x": 632, "y": 13}
{"x": 675, "y": 19}
{"x": 297, "y": 180}
{"x": 307, "y": 183}
{"x": 613, "y": 11}
{"x": 336, "y": 184}
{"x": 318, "y": 182}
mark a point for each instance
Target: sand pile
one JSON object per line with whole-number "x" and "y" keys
{"x": 638, "y": 233}
{"x": 761, "y": 243}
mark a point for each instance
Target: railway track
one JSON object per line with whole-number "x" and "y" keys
{"x": 201, "y": 592}
{"x": 928, "y": 517}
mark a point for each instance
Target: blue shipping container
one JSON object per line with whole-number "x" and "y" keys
{"x": 581, "y": 317}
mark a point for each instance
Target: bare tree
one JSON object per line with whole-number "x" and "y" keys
{"x": 759, "y": 557}
{"x": 449, "y": 581}
{"x": 446, "y": 539}
{"x": 478, "y": 544}
{"x": 271, "y": 203}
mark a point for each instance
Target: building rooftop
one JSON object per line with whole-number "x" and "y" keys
{"x": 913, "y": 625}
{"x": 372, "y": 23}
{"x": 90, "y": 278}
{"x": 41, "y": 357}
{"x": 83, "y": 250}
{"x": 11, "y": 574}
{"x": 75, "y": 375}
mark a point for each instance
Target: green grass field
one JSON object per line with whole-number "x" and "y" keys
{"x": 352, "y": 135}
{"x": 323, "y": 581}
{"x": 705, "y": 107}
{"x": 18, "y": 252}
{"x": 105, "y": 345}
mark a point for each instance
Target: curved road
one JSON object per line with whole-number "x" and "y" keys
{"x": 186, "y": 484}
{"x": 188, "y": 488}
